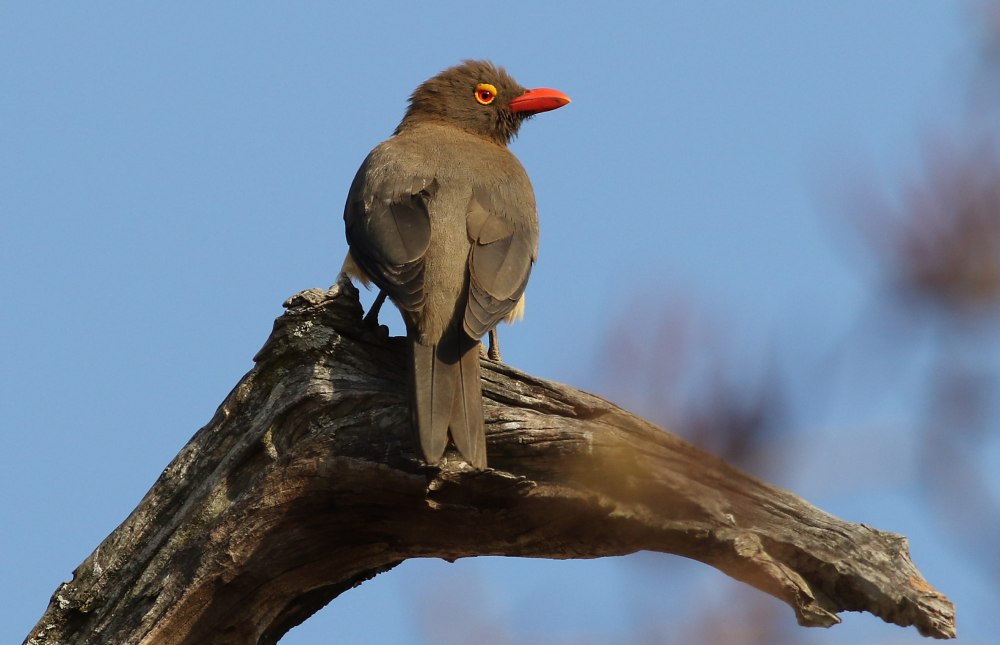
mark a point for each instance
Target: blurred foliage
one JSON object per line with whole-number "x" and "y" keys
{"x": 938, "y": 241}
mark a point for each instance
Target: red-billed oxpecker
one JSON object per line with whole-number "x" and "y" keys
{"x": 442, "y": 218}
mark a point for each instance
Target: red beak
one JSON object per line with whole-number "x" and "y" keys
{"x": 542, "y": 99}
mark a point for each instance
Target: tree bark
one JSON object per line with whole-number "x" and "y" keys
{"x": 306, "y": 483}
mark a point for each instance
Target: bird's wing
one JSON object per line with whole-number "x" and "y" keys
{"x": 389, "y": 229}
{"x": 504, "y": 245}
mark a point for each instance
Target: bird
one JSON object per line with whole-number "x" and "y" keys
{"x": 441, "y": 217}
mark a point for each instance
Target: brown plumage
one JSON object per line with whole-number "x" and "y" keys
{"x": 442, "y": 218}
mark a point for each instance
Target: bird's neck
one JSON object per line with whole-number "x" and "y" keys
{"x": 415, "y": 121}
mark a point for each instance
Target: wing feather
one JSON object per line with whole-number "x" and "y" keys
{"x": 504, "y": 244}
{"x": 389, "y": 230}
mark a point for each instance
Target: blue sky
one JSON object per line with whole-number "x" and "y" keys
{"x": 169, "y": 174}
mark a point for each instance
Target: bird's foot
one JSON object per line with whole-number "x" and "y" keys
{"x": 371, "y": 318}
{"x": 493, "y": 353}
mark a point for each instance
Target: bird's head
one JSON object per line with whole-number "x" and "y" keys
{"x": 480, "y": 98}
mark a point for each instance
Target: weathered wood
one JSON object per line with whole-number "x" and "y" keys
{"x": 306, "y": 483}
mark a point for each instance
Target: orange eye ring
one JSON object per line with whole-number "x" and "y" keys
{"x": 485, "y": 93}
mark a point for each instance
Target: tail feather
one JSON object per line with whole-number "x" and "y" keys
{"x": 433, "y": 387}
{"x": 467, "y": 426}
{"x": 447, "y": 394}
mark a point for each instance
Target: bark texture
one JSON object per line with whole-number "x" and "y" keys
{"x": 306, "y": 483}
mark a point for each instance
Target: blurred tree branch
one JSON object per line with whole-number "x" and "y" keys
{"x": 305, "y": 484}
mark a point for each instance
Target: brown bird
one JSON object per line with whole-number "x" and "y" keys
{"x": 442, "y": 218}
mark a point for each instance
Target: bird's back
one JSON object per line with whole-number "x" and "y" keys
{"x": 457, "y": 164}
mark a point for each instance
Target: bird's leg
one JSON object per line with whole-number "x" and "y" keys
{"x": 371, "y": 318}
{"x": 494, "y": 351}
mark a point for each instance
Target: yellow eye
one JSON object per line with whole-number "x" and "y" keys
{"x": 485, "y": 93}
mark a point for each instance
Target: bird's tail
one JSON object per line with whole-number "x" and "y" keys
{"x": 447, "y": 396}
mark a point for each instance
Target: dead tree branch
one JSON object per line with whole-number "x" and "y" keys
{"x": 306, "y": 483}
